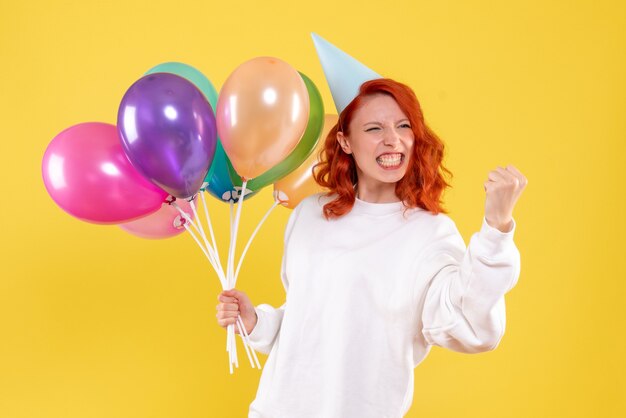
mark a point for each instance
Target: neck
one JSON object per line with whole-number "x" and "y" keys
{"x": 382, "y": 193}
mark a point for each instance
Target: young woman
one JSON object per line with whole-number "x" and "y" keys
{"x": 375, "y": 273}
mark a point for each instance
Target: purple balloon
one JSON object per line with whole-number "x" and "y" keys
{"x": 87, "y": 174}
{"x": 168, "y": 132}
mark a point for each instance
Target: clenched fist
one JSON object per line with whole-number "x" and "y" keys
{"x": 233, "y": 303}
{"x": 503, "y": 187}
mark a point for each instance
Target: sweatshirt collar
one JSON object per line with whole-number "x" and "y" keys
{"x": 363, "y": 207}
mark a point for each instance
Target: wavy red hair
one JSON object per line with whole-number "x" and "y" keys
{"x": 423, "y": 183}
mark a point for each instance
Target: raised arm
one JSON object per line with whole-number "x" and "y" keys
{"x": 464, "y": 307}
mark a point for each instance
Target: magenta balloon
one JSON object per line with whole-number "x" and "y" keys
{"x": 88, "y": 175}
{"x": 168, "y": 132}
{"x": 164, "y": 223}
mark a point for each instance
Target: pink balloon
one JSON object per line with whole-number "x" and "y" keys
{"x": 164, "y": 223}
{"x": 88, "y": 175}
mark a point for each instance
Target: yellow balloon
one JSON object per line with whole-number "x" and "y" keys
{"x": 291, "y": 189}
{"x": 262, "y": 112}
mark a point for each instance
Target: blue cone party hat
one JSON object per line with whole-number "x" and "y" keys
{"x": 344, "y": 74}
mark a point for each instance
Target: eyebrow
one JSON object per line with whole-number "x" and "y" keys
{"x": 378, "y": 123}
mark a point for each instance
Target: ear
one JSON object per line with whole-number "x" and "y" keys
{"x": 344, "y": 143}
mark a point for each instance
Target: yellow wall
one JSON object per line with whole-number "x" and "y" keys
{"x": 95, "y": 322}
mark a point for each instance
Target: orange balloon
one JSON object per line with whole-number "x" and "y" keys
{"x": 262, "y": 112}
{"x": 295, "y": 186}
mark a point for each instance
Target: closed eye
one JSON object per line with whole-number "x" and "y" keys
{"x": 371, "y": 129}
{"x": 405, "y": 125}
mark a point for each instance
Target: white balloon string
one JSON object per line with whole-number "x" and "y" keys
{"x": 211, "y": 250}
{"x": 204, "y": 250}
{"x": 195, "y": 214}
{"x": 186, "y": 216}
{"x": 230, "y": 330}
{"x": 230, "y": 350}
{"x": 228, "y": 287}
{"x": 208, "y": 218}
{"x": 228, "y": 341}
{"x": 230, "y": 242}
{"x": 246, "y": 338}
{"x": 230, "y": 266}
{"x": 236, "y": 228}
{"x": 233, "y": 238}
{"x": 251, "y": 238}
{"x": 232, "y": 211}
{"x": 233, "y": 345}
{"x": 244, "y": 345}
{"x": 231, "y": 342}
{"x": 212, "y": 256}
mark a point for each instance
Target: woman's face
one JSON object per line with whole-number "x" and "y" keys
{"x": 381, "y": 140}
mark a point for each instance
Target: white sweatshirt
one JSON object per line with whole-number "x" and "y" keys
{"x": 368, "y": 294}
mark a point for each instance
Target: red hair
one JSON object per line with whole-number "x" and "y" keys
{"x": 423, "y": 183}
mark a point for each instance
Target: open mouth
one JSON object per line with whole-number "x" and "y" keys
{"x": 390, "y": 161}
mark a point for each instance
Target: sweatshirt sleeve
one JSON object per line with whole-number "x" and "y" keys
{"x": 269, "y": 319}
{"x": 464, "y": 307}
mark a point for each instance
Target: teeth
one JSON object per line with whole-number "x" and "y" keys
{"x": 389, "y": 160}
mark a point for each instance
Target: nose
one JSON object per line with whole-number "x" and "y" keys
{"x": 391, "y": 137}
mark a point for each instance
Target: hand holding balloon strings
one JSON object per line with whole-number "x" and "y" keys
{"x": 229, "y": 279}
{"x": 226, "y": 279}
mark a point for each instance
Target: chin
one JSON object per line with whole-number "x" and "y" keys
{"x": 392, "y": 177}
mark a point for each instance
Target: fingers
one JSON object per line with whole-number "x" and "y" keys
{"x": 494, "y": 175}
{"x": 227, "y": 307}
{"x": 226, "y": 322}
{"x": 226, "y": 318}
{"x": 508, "y": 174}
{"x": 227, "y": 314}
{"x": 510, "y": 178}
{"x": 233, "y": 293}
{"x": 523, "y": 181}
{"x": 228, "y": 296}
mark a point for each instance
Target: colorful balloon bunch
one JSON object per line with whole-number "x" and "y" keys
{"x": 176, "y": 138}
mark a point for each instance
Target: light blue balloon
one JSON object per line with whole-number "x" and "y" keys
{"x": 190, "y": 73}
